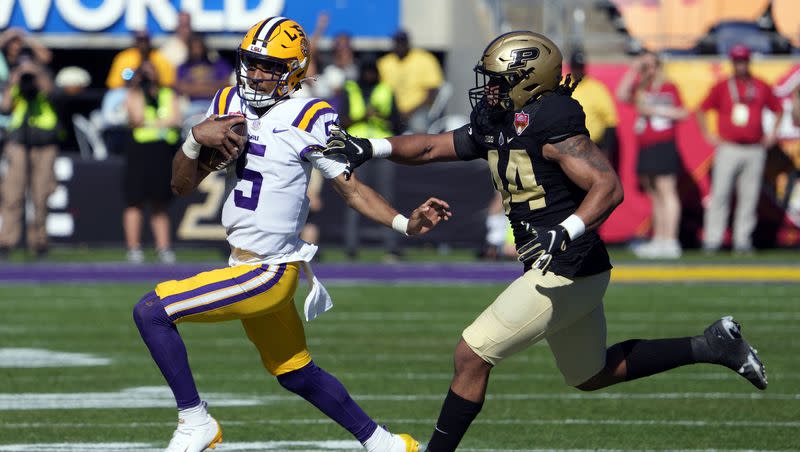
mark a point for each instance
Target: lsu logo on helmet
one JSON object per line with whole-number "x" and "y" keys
{"x": 272, "y": 60}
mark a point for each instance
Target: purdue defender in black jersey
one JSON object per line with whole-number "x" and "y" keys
{"x": 557, "y": 189}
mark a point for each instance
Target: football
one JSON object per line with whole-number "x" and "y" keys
{"x": 212, "y": 159}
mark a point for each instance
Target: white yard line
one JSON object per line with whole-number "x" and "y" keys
{"x": 17, "y": 358}
{"x": 431, "y": 421}
{"x": 672, "y": 316}
{"x": 416, "y": 376}
{"x": 161, "y": 397}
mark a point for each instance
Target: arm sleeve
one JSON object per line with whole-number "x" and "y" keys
{"x": 313, "y": 143}
{"x": 559, "y": 118}
{"x": 466, "y": 145}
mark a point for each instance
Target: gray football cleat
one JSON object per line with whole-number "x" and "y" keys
{"x": 724, "y": 338}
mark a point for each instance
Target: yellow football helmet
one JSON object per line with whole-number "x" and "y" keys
{"x": 279, "y": 48}
{"x": 517, "y": 67}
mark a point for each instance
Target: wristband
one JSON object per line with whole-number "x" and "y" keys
{"x": 381, "y": 148}
{"x": 191, "y": 147}
{"x": 400, "y": 224}
{"x": 574, "y": 226}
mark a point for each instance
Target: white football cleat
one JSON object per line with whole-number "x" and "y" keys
{"x": 193, "y": 436}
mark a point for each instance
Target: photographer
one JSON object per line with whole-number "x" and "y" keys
{"x": 33, "y": 135}
{"x": 154, "y": 117}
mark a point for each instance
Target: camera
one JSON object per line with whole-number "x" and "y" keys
{"x": 27, "y": 85}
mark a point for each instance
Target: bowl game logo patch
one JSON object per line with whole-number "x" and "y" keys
{"x": 521, "y": 122}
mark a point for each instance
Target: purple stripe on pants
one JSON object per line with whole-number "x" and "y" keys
{"x": 234, "y": 298}
{"x": 208, "y": 288}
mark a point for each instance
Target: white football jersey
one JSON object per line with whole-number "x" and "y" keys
{"x": 266, "y": 204}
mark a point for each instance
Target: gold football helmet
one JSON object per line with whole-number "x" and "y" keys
{"x": 516, "y": 67}
{"x": 271, "y": 61}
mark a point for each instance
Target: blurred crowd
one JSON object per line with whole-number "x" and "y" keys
{"x": 156, "y": 94}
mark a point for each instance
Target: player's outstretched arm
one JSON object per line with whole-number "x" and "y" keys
{"x": 186, "y": 175}
{"x": 584, "y": 163}
{"x": 405, "y": 149}
{"x": 369, "y": 203}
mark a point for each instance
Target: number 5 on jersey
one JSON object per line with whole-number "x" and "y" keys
{"x": 240, "y": 199}
{"x": 518, "y": 183}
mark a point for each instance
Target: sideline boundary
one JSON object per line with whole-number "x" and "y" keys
{"x": 404, "y": 273}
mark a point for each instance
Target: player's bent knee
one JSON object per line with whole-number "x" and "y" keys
{"x": 297, "y": 380}
{"x": 466, "y": 360}
{"x": 149, "y": 312}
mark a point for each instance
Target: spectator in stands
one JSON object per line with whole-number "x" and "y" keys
{"x": 154, "y": 116}
{"x": 30, "y": 151}
{"x": 598, "y": 104}
{"x": 330, "y": 82}
{"x": 17, "y": 46}
{"x": 323, "y": 19}
{"x": 199, "y": 78}
{"x": 368, "y": 108}
{"x": 127, "y": 62}
{"x": 740, "y": 151}
{"x": 415, "y": 76}
{"x": 176, "y": 47}
{"x": 499, "y": 235}
{"x": 71, "y": 97}
{"x": 658, "y": 106}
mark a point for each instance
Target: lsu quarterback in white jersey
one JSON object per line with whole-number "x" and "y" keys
{"x": 265, "y": 209}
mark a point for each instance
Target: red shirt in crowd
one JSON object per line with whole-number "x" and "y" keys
{"x": 740, "y": 103}
{"x": 652, "y": 130}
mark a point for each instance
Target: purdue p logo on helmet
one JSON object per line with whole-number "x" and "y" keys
{"x": 522, "y": 56}
{"x": 517, "y": 67}
{"x": 279, "y": 48}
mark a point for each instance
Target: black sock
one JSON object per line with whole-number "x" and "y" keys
{"x": 457, "y": 413}
{"x": 646, "y": 357}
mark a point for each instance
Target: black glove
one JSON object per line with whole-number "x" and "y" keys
{"x": 546, "y": 243}
{"x": 355, "y": 150}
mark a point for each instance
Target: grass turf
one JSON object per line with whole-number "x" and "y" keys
{"x": 386, "y": 343}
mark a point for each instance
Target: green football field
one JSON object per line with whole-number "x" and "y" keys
{"x": 391, "y": 346}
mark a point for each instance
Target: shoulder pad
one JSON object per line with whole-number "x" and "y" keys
{"x": 223, "y": 100}
{"x": 557, "y": 115}
{"x": 303, "y": 113}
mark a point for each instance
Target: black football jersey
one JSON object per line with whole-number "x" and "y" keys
{"x": 536, "y": 190}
